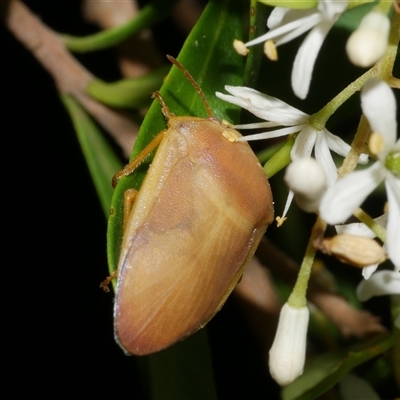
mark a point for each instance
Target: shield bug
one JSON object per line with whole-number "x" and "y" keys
{"x": 195, "y": 223}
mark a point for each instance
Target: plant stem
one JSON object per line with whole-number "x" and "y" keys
{"x": 298, "y": 295}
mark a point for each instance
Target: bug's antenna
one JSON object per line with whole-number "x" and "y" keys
{"x": 193, "y": 82}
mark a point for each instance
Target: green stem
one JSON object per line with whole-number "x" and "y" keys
{"x": 379, "y": 231}
{"x": 385, "y": 65}
{"x": 358, "y": 147}
{"x": 258, "y": 16}
{"x": 318, "y": 120}
{"x": 110, "y": 37}
{"x": 281, "y": 158}
{"x": 298, "y": 296}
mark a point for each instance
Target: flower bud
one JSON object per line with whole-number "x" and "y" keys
{"x": 306, "y": 178}
{"x": 288, "y": 352}
{"x": 358, "y": 251}
{"x": 368, "y": 43}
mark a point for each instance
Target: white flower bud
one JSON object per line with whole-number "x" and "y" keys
{"x": 368, "y": 43}
{"x": 306, "y": 178}
{"x": 288, "y": 352}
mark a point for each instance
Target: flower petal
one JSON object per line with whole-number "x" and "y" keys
{"x": 305, "y": 25}
{"x": 324, "y": 158}
{"x": 331, "y": 9}
{"x": 379, "y": 106}
{"x": 293, "y": 23}
{"x": 263, "y": 106}
{"x": 256, "y": 125}
{"x": 308, "y": 51}
{"x": 368, "y": 271}
{"x": 288, "y": 203}
{"x": 360, "y": 229}
{"x": 380, "y": 283}
{"x": 304, "y": 143}
{"x": 283, "y": 16}
{"x": 341, "y": 199}
{"x": 393, "y": 226}
{"x": 339, "y": 146}
{"x": 271, "y": 134}
{"x": 306, "y": 56}
{"x": 277, "y": 17}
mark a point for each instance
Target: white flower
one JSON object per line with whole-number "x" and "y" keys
{"x": 287, "y": 24}
{"x": 288, "y": 352}
{"x": 290, "y": 120}
{"x": 381, "y": 283}
{"x": 360, "y": 229}
{"x": 368, "y": 43}
{"x": 340, "y": 200}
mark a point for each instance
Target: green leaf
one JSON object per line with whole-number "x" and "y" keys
{"x": 147, "y": 17}
{"x": 100, "y": 158}
{"x": 324, "y": 371}
{"x": 128, "y": 93}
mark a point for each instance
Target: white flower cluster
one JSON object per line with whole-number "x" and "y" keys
{"x": 312, "y": 176}
{"x": 365, "y": 46}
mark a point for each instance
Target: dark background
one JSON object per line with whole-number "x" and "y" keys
{"x": 59, "y": 322}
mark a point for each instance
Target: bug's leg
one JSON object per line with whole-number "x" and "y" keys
{"x": 129, "y": 200}
{"x": 107, "y": 281}
{"x": 129, "y": 168}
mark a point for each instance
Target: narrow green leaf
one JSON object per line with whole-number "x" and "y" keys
{"x": 100, "y": 158}
{"x": 128, "y": 93}
{"x": 148, "y": 16}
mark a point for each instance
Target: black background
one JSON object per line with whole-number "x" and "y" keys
{"x": 59, "y": 323}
